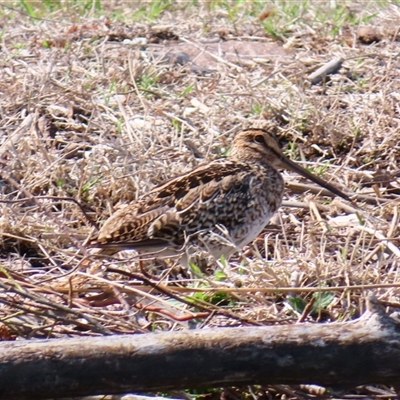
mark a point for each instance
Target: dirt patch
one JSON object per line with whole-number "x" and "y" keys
{"x": 208, "y": 55}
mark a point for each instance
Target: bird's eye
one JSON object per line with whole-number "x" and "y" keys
{"x": 259, "y": 139}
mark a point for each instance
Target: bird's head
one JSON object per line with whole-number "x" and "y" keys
{"x": 260, "y": 146}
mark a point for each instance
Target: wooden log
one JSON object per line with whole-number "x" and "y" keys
{"x": 341, "y": 354}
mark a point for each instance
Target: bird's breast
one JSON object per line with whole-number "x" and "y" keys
{"x": 265, "y": 197}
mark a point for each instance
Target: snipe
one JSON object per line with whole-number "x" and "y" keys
{"x": 220, "y": 206}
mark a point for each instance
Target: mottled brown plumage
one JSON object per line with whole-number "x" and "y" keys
{"x": 219, "y": 206}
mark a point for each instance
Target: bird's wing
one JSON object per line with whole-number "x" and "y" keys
{"x": 164, "y": 211}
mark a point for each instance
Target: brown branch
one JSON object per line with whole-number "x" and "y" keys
{"x": 202, "y": 305}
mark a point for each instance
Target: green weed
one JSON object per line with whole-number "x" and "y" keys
{"x": 176, "y": 124}
{"x": 146, "y": 82}
{"x": 319, "y": 169}
{"x": 88, "y": 185}
{"x": 256, "y": 108}
{"x": 187, "y": 90}
{"x": 40, "y": 9}
{"x": 152, "y": 10}
{"x": 321, "y": 301}
{"x": 59, "y": 182}
{"x": 216, "y": 298}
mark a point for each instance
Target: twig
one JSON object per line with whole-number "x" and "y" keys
{"x": 329, "y": 68}
{"x": 57, "y": 200}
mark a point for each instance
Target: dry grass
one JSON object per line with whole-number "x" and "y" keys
{"x": 93, "y": 111}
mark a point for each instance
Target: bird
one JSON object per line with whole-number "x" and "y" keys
{"x": 218, "y": 207}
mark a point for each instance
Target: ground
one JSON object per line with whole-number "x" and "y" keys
{"x": 100, "y": 101}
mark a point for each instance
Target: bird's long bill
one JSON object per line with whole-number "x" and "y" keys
{"x": 296, "y": 168}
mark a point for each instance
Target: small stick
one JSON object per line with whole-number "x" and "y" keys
{"x": 329, "y": 68}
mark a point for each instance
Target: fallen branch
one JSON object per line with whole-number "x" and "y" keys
{"x": 352, "y": 353}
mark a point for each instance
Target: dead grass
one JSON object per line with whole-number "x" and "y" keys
{"x": 93, "y": 109}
